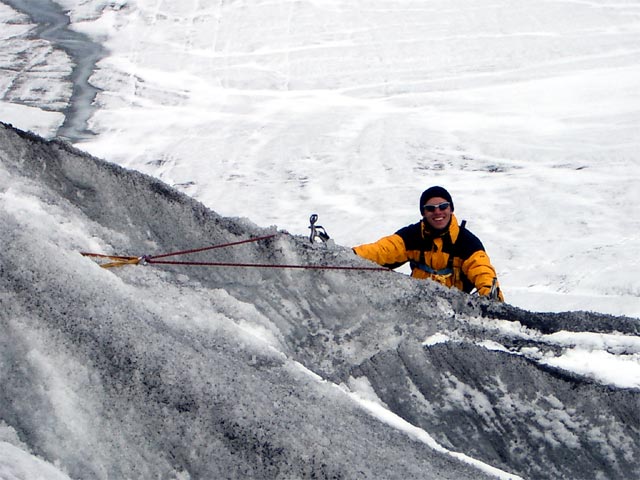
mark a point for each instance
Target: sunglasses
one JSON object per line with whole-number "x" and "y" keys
{"x": 441, "y": 206}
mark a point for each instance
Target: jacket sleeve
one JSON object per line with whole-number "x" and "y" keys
{"x": 389, "y": 251}
{"x": 480, "y": 272}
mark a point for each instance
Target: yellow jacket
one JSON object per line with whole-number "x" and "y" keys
{"x": 454, "y": 258}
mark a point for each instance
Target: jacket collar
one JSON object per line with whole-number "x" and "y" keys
{"x": 453, "y": 230}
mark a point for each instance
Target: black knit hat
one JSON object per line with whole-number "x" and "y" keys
{"x": 434, "y": 192}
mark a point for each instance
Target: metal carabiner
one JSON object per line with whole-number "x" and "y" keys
{"x": 317, "y": 231}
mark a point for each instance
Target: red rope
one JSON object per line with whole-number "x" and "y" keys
{"x": 264, "y": 265}
{"x": 196, "y": 250}
{"x": 152, "y": 259}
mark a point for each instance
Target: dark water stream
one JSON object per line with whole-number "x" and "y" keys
{"x": 53, "y": 26}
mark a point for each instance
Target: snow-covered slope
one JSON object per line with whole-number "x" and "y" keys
{"x": 207, "y": 372}
{"x": 527, "y": 111}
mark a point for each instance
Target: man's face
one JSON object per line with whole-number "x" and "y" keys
{"x": 438, "y": 219}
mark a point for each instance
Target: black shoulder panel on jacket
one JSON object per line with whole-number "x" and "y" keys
{"x": 467, "y": 244}
{"x": 412, "y": 236}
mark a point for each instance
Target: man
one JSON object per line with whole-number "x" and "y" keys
{"x": 437, "y": 248}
